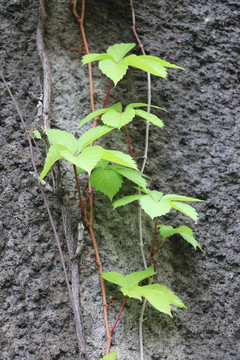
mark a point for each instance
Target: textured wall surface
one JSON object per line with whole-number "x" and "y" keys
{"x": 196, "y": 154}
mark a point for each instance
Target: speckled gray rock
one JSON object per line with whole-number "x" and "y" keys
{"x": 196, "y": 154}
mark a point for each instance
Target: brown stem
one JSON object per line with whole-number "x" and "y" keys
{"x": 119, "y": 314}
{"x": 153, "y": 241}
{"x": 79, "y": 191}
{"x": 134, "y": 28}
{"x": 109, "y": 338}
{"x": 129, "y": 142}
{"x": 107, "y": 95}
{"x": 80, "y": 20}
{"x": 159, "y": 247}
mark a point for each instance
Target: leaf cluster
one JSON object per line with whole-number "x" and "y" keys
{"x": 114, "y": 64}
{"x": 159, "y": 296}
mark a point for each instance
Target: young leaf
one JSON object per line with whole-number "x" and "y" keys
{"x": 91, "y": 135}
{"x": 132, "y": 175}
{"x": 107, "y": 181}
{"x": 154, "y": 208}
{"x": 157, "y": 299}
{"x": 119, "y": 157}
{"x": 86, "y": 59}
{"x": 185, "y": 209}
{"x": 88, "y": 158}
{"x": 37, "y": 134}
{"x": 54, "y": 154}
{"x": 62, "y": 137}
{"x": 115, "y": 71}
{"x": 111, "y": 356}
{"x": 118, "y": 119}
{"x": 126, "y": 200}
{"x": 135, "y": 292}
{"x": 118, "y": 51}
{"x": 160, "y": 61}
{"x": 115, "y": 278}
{"x": 174, "y": 299}
{"x": 146, "y": 65}
{"x": 150, "y": 117}
{"x": 172, "y": 197}
{"x": 92, "y": 115}
{"x": 184, "y": 231}
{"x": 136, "y": 277}
{"x": 134, "y": 105}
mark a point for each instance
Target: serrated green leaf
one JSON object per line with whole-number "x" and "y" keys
{"x": 118, "y": 51}
{"x": 37, "y": 134}
{"x": 62, "y": 137}
{"x": 135, "y": 292}
{"x": 102, "y": 164}
{"x": 136, "y": 277}
{"x": 150, "y": 117}
{"x": 107, "y": 181}
{"x": 115, "y": 71}
{"x": 54, "y": 154}
{"x": 132, "y": 175}
{"x": 184, "y": 231}
{"x": 173, "y": 298}
{"x": 173, "y": 197}
{"x": 134, "y": 105}
{"x": 95, "y": 57}
{"x": 160, "y": 61}
{"x": 185, "y": 209}
{"x": 118, "y": 119}
{"x": 146, "y": 65}
{"x": 92, "y": 115}
{"x": 119, "y": 157}
{"x": 115, "y": 278}
{"x": 111, "y": 356}
{"x": 80, "y": 170}
{"x": 156, "y": 195}
{"x": 91, "y": 135}
{"x": 157, "y": 299}
{"x": 126, "y": 200}
{"x": 88, "y": 158}
{"x": 154, "y": 208}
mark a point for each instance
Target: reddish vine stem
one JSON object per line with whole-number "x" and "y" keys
{"x": 107, "y": 95}
{"x": 80, "y": 20}
{"x": 79, "y": 191}
{"x": 153, "y": 242}
{"x": 119, "y": 314}
{"x": 159, "y": 247}
{"x": 129, "y": 142}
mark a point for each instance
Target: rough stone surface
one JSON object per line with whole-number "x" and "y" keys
{"x": 196, "y": 154}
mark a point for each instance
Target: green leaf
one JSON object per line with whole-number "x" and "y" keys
{"x": 111, "y": 356}
{"x": 88, "y": 158}
{"x": 118, "y": 119}
{"x": 62, "y": 137}
{"x": 126, "y": 200}
{"x": 54, "y": 154}
{"x": 150, "y": 117}
{"x": 146, "y": 65}
{"x": 102, "y": 164}
{"x": 172, "y": 197}
{"x": 115, "y": 71}
{"x": 160, "y": 61}
{"x": 115, "y": 278}
{"x": 156, "y": 195}
{"x": 132, "y": 175}
{"x": 157, "y": 299}
{"x": 185, "y": 209}
{"x": 107, "y": 181}
{"x": 119, "y": 157}
{"x": 135, "y": 292}
{"x": 37, "y": 134}
{"x": 135, "y": 277}
{"x": 92, "y": 115}
{"x": 184, "y": 231}
{"x": 134, "y": 105}
{"x": 95, "y": 57}
{"x": 80, "y": 170}
{"x": 91, "y": 135}
{"x": 173, "y": 298}
{"x": 118, "y": 51}
{"x": 154, "y": 208}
